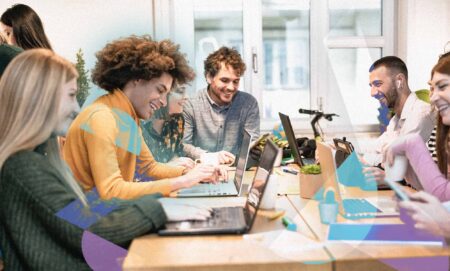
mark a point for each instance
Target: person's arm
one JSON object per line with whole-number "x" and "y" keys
{"x": 188, "y": 138}
{"x": 426, "y": 169}
{"x": 105, "y": 168}
{"x": 422, "y": 123}
{"x": 148, "y": 165}
{"x": 130, "y": 219}
{"x": 49, "y": 194}
{"x": 252, "y": 123}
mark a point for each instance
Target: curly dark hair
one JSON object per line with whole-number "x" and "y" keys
{"x": 139, "y": 57}
{"x": 228, "y": 56}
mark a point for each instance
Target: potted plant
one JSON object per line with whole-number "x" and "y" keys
{"x": 311, "y": 181}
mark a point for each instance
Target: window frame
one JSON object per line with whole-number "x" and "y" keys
{"x": 170, "y": 15}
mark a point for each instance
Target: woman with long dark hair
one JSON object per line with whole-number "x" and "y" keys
{"x": 23, "y": 28}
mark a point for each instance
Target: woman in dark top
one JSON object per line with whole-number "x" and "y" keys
{"x": 37, "y": 103}
{"x": 23, "y": 28}
{"x": 163, "y": 134}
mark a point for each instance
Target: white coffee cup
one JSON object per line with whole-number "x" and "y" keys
{"x": 397, "y": 171}
{"x": 209, "y": 158}
{"x": 270, "y": 193}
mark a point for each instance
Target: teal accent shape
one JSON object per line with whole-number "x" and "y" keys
{"x": 350, "y": 174}
{"x": 76, "y": 214}
{"x": 128, "y": 137}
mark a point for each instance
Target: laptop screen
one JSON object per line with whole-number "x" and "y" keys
{"x": 287, "y": 127}
{"x": 254, "y": 197}
{"x": 242, "y": 159}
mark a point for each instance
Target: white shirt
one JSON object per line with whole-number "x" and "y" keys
{"x": 416, "y": 117}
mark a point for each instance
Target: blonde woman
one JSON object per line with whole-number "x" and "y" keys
{"x": 37, "y": 102}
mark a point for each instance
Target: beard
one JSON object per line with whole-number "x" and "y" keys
{"x": 391, "y": 97}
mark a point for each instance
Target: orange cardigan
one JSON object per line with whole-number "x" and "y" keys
{"x": 103, "y": 146}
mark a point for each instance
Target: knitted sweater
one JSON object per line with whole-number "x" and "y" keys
{"x": 32, "y": 237}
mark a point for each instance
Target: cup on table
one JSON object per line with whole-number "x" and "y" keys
{"x": 208, "y": 158}
{"x": 328, "y": 212}
{"x": 270, "y": 193}
{"x": 397, "y": 171}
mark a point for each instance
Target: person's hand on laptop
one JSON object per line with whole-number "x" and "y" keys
{"x": 183, "y": 162}
{"x": 225, "y": 158}
{"x": 428, "y": 213}
{"x": 200, "y": 173}
{"x": 176, "y": 210}
{"x": 222, "y": 172}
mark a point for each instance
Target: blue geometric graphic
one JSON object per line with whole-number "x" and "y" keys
{"x": 76, "y": 214}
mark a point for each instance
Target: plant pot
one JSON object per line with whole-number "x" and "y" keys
{"x": 310, "y": 184}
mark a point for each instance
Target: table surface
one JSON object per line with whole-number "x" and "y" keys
{"x": 269, "y": 246}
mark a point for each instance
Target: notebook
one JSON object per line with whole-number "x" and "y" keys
{"x": 295, "y": 151}
{"x": 232, "y": 220}
{"x": 352, "y": 208}
{"x": 233, "y": 187}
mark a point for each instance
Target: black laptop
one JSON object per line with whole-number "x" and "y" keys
{"x": 231, "y": 220}
{"x": 287, "y": 127}
{"x": 233, "y": 187}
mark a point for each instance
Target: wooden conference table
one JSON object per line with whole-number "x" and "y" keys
{"x": 268, "y": 247}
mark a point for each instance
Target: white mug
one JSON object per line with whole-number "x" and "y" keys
{"x": 209, "y": 158}
{"x": 270, "y": 193}
{"x": 397, "y": 171}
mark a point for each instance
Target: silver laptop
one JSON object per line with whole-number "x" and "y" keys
{"x": 232, "y": 220}
{"x": 233, "y": 187}
{"x": 295, "y": 151}
{"x": 352, "y": 208}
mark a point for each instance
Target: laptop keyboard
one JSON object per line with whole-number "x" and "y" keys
{"x": 209, "y": 188}
{"x": 359, "y": 208}
{"x": 225, "y": 216}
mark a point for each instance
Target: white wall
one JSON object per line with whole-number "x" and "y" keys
{"x": 424, "y": 28}
{"x": 89, "y": 24}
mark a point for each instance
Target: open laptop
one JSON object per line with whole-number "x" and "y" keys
{"x": 351, "y": 208}
{"x": 233, "y": 187}
{"x": 287, "y": 127}
{"x": 232, "y": 220}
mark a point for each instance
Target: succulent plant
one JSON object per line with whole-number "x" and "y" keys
{"x": 310, "y": 169}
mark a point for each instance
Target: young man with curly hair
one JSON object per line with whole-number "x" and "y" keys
{"x": 104, "y": 146}
{"x": 216, "y": 117}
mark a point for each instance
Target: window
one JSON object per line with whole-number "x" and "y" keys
{"x": 299, "y": 53}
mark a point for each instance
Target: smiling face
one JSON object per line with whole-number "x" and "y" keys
{"x": 9, "y": 34}
{"x": 176, "y": 102}
{"x": 224, "y": 85}
{"x": 382, "y": 87}
{"x": 68, "y": 108}
{"x": 440, "y": 96}
{"x": 148, "y": 96}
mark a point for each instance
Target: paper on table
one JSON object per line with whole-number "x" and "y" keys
{"x": 288, "y": 187}
{"x": 287, "y": 244}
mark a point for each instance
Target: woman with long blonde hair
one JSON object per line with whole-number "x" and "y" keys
{"x": 37, "y": 103}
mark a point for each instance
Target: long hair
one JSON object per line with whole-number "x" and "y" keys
{"x": 442, "y": 132}
{"x": 29, "y": 102}
{"x": 27, "y": 27}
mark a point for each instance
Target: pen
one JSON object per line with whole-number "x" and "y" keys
{"x": 290, "y": 171}
{"x": 289, "y": 224}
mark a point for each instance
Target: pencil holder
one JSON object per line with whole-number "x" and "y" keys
{"x": 328, "y": 208}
